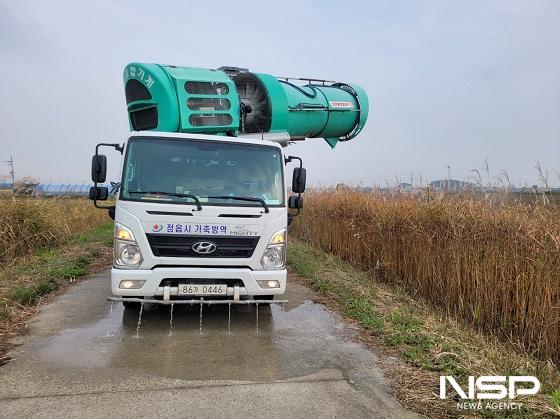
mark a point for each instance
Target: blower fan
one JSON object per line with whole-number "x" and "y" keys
{"x": 255, "y": 106}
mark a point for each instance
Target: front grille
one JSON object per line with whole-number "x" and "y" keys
{"x": 172, "y": 245}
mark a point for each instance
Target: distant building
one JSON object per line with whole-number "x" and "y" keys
{"x": 452, "y": 185}
{"x": 68, "y": 189}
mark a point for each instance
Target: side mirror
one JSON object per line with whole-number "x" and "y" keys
{"x": 99, "y": 168}
{"x": 295, "y": 202}
{"x": 98, "y": 193}
{"x": 298, "y": 180}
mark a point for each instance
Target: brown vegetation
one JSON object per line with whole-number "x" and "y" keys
{"x": 45, "y": 245}
{"x": 494, "y": 265}
{"x": 28, "y": 224}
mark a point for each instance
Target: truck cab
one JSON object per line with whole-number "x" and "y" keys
{"x": 200, "y": 215}
{"x": 202, "y": 208}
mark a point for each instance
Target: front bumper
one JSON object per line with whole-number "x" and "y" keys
{"x": 154, "y": 277}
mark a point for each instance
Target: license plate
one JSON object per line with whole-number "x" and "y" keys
{"x": 205, "y": 289}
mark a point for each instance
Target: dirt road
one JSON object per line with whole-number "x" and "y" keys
{"x": 83, "y": 358}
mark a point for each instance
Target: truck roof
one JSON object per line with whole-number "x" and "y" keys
{"x": 233, "y": 140}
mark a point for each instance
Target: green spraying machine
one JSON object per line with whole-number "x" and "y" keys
{"x": 236, "y": 102}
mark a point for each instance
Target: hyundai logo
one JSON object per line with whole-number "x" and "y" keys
{"x": 204, "y": 248}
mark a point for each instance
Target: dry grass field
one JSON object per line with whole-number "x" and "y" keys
{"x": 493, "y": 264}
{"x": 30, "y": 224}
{"x": 45, "y": 245}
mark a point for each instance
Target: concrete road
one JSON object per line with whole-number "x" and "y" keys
{"x": 84, "y": 358}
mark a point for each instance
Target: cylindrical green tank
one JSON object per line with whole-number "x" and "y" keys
{"x": 237, "y": 102}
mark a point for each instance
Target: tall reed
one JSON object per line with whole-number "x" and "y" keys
{"x": 493, "y": 264}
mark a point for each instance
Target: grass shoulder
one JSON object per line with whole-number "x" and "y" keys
{"x": 27, "y": 281}
{"x": 422, "y": 342}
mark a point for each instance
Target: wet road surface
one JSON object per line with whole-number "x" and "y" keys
{"x": 84, "y": 358}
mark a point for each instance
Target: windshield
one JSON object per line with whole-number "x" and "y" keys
{"x": 183, "y": 171}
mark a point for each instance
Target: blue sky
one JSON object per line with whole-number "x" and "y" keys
{"x": 450, "y": 82}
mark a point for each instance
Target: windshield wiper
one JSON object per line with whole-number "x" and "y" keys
{"x": 243, "y": 198}
{"x": 179, "y": 195}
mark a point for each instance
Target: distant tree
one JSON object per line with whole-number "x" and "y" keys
{"x": 25, "y": 185}
{"x": 25, "y": 181}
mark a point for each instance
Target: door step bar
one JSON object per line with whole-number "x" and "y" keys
{"x": 192, "y": 302}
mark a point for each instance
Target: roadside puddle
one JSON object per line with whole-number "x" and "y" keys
{"x": 220, "y": 342}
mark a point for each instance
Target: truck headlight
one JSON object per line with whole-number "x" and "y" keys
{"x": 274, "y": 256}
{"x": 278, "y": 237}
{"x": 127, "y": 254}
{"x": 123, "y": 233}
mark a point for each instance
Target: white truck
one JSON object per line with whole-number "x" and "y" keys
{"x": 202, "y": 209}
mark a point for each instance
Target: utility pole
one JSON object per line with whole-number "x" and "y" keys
{"x": 448, "y": 176}
{"x": 12, "y": 173}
